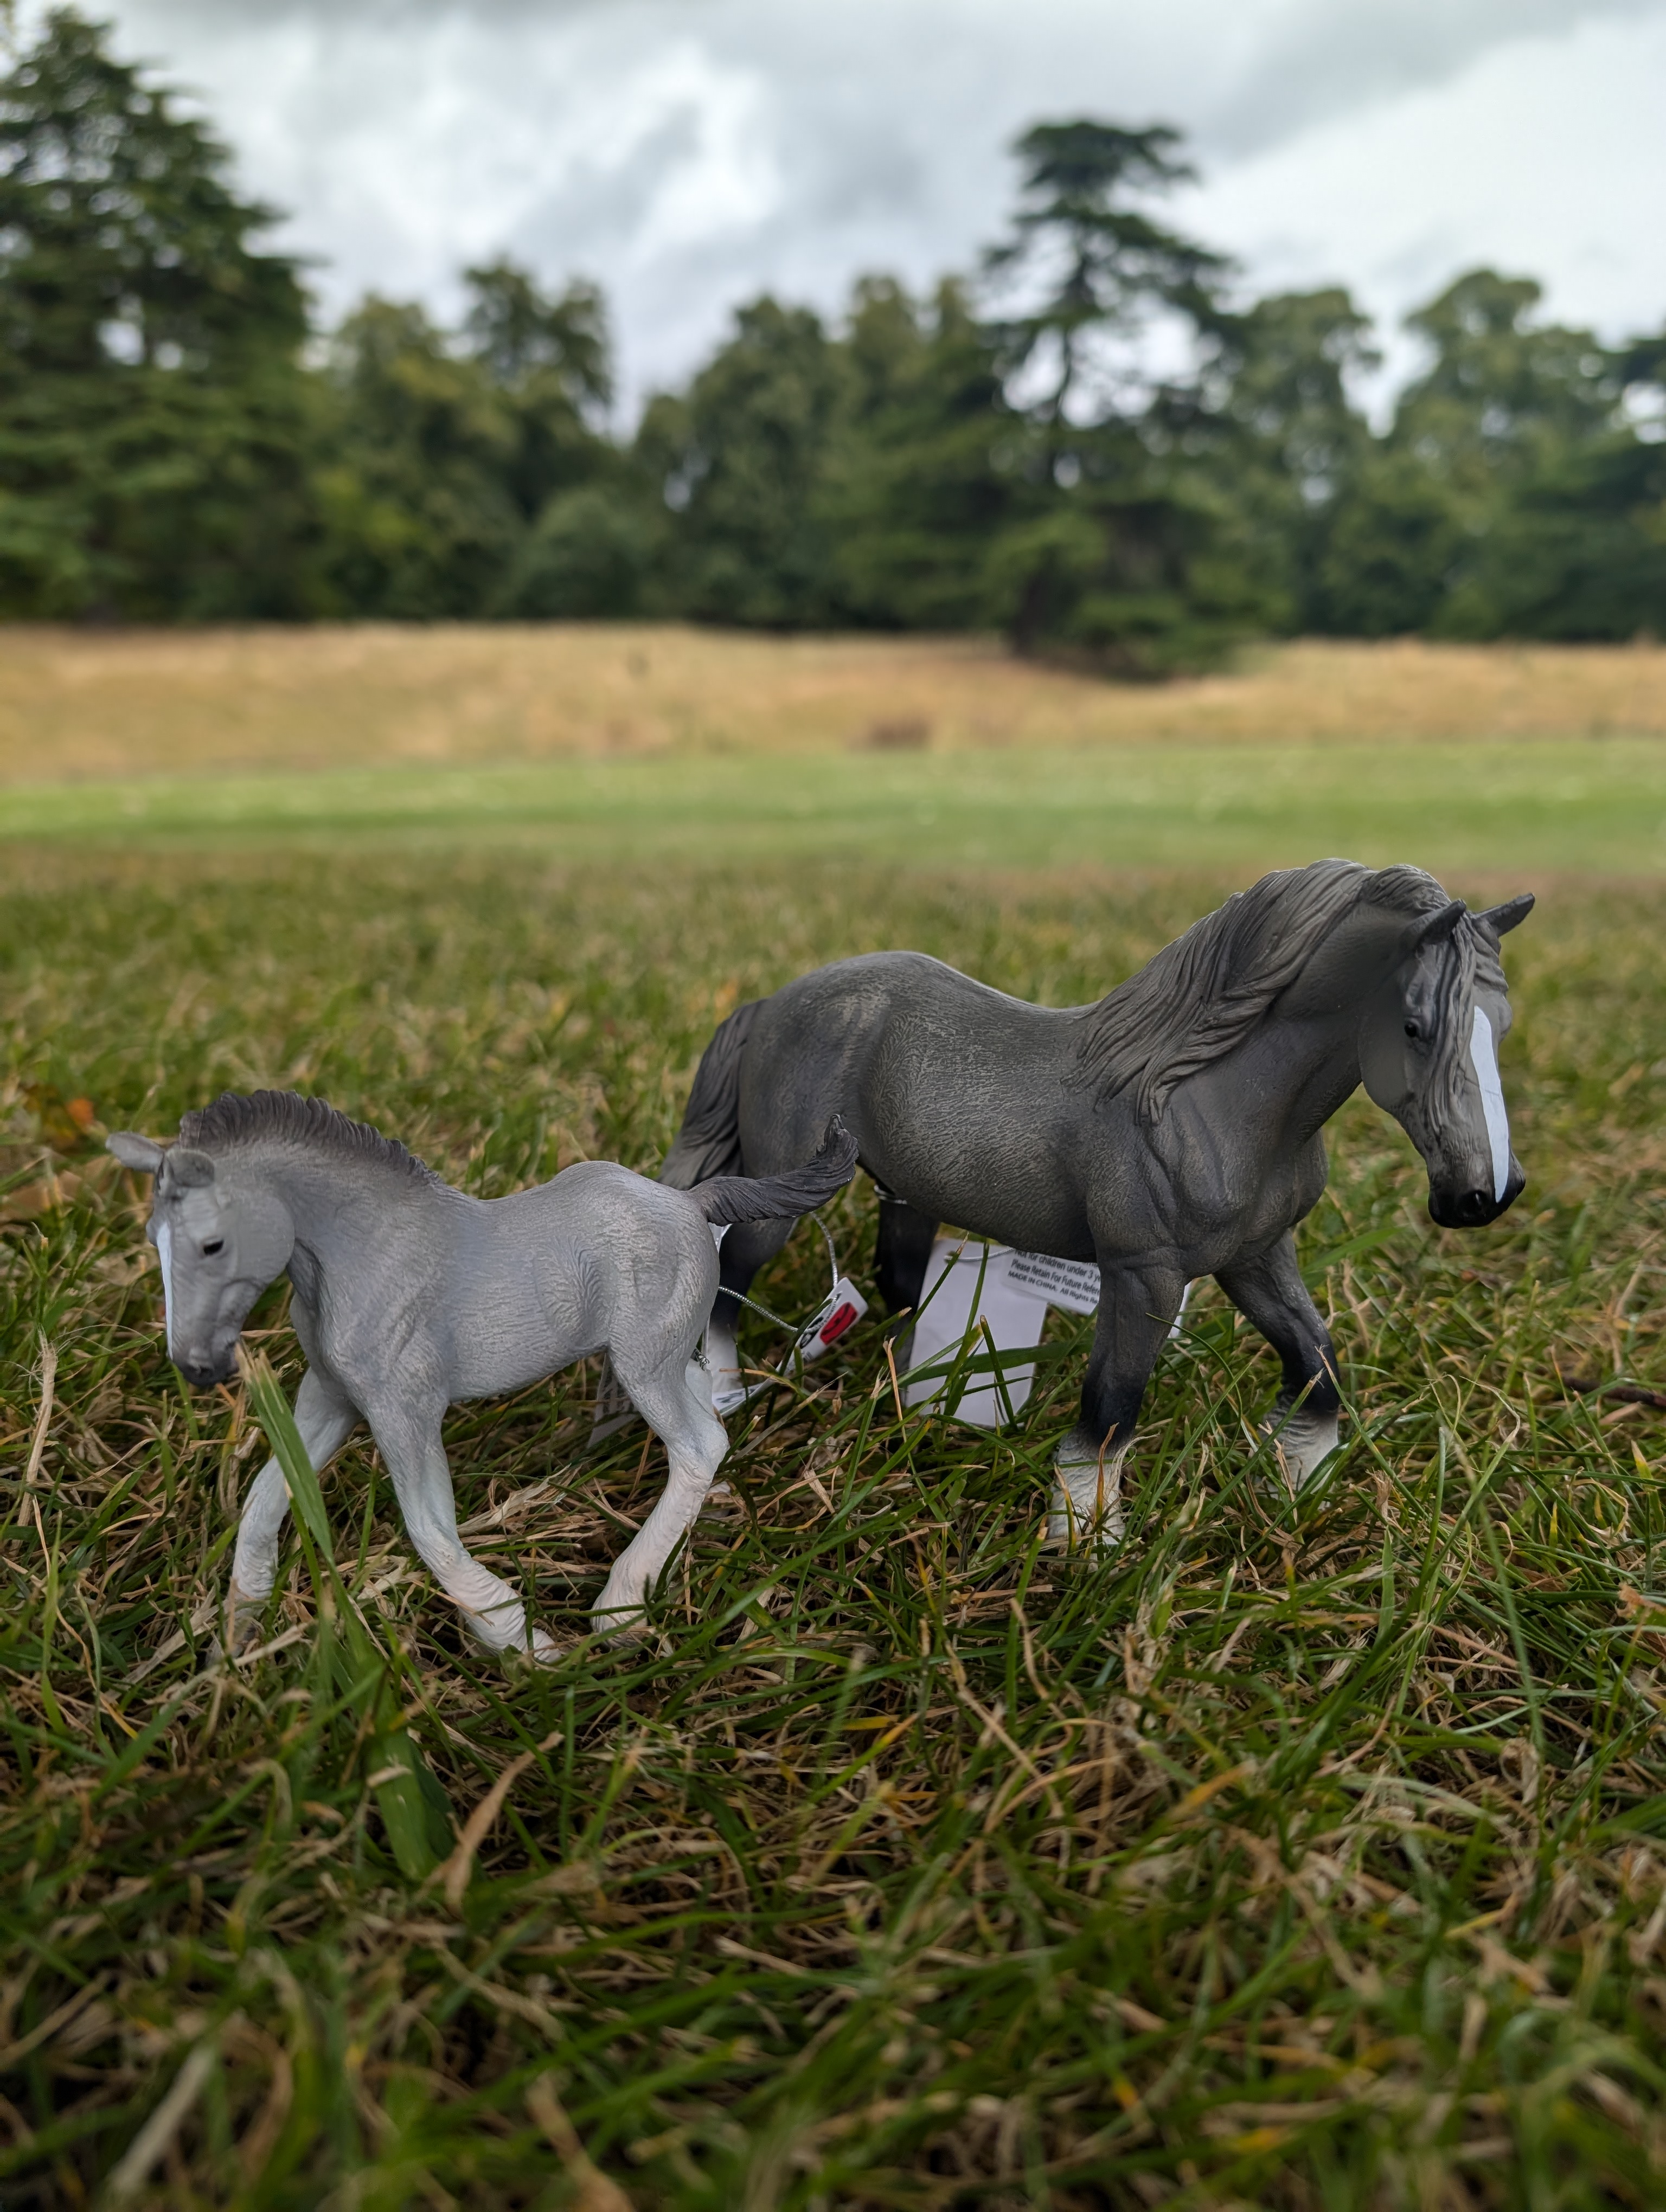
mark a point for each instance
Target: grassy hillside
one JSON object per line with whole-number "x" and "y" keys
{"x": 77, "y": 704}
{"x": 1307, "y": 1853}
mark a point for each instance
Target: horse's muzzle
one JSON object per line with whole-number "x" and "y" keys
{"x": 204, "y": 1374}
{"x": 1473, "y": 1209}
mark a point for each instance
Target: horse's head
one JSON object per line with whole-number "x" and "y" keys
{"x": 1429, "y": 1055}
{"x": 222, "y": 1238}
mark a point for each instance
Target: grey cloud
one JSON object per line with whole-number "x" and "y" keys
{"x": 1325, "y": 61}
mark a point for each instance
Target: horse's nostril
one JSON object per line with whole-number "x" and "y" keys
{"x": 1474, "y": 1208}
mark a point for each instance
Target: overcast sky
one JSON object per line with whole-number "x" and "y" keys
{"x": 692, "y": 153}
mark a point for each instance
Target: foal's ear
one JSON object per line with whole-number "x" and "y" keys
{"x": 140, "y": 1153}
{"x": 189, "y": 1169}
{"x": 1430, "y": 928}
{"x": 1500, "y": 919}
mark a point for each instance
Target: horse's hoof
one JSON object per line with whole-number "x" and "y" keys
{"x": 1070, "y": 1533}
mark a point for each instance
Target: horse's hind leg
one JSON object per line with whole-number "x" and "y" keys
{"x": 902, "y": 1253}
{"x": 1269, "y": 1293}
{"x": 675, "y": 1409}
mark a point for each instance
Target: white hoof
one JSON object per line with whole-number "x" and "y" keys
{"x": 1077, "y": 1531}
{"x": 1303, "y": 1443}
{"x": 1086, "y": 1511}
{"x": 618, "y": 1610}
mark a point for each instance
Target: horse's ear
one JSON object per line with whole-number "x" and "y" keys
{"x": 189, "y": 1169}
{"x": 1430, "y": 928}
{"x": 142, "y": 1154}
{"x": 1501, "y": 919}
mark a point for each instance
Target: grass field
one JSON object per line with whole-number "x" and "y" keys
{"x": 1306, "y": 1855}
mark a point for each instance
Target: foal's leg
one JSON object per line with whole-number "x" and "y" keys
{"x": 1269, "y": 1293}
{"x": 325, "y": 1418}
{"x": 409, "y": 1442}
{"x": 676, "y": 1411}
{"x": 748, "y": 1246}
{"x": 1137, "y": 1307}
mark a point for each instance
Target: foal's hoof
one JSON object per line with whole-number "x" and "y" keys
{"x": 240, "y": 1616}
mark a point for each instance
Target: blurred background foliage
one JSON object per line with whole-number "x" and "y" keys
{"x": 179, "y": 442}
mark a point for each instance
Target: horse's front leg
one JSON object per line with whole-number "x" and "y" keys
{"x": 1269, "y": 1293}
{"x": 1137, "y": 1307}
{"x": 325, "y": 1417}
{"x": 409, "y": 1439}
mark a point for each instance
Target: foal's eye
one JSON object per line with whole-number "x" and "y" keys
{"x": 214, "y": 1244}
{"x": 1413, "y": 1031}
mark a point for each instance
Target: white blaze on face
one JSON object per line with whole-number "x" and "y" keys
{"x": 165, "y": 1254}
{"x": 1485, "y": 1061}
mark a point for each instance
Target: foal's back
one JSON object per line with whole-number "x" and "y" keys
{"x": 597, "y": 1258}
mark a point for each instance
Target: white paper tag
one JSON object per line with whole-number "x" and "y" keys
{"x": 1073, "y": 1284}
{"x": 1018, "y": 1289}
{"x": 967, "y": 1283}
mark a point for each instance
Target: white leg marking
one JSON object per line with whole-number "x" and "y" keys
{"x": 1087, "y": 1503}
{"x": 1485, "y": 1061}
{"x": 1305, "y": 1441}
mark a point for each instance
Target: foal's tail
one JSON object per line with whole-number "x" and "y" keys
{"x": 780, "y": 1198}
{"x": 708, "y": 1142}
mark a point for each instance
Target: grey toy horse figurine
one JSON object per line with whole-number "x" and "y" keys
{"x": 1169, "y": 1131}
{"x": 409, "y": 1296}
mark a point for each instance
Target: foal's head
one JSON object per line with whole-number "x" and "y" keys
{"x": 222, "y": 1236}
{"x": 1429, "y": 1042}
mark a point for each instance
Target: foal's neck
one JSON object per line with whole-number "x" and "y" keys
{"x": 347, "y": 1212}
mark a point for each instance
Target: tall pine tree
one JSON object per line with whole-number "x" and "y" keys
{"x": 153, "y": 409}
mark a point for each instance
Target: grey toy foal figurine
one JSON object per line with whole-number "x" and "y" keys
{"x": 410, "y": 1297}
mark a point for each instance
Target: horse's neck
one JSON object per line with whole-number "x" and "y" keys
{"x": 347, "y": 1213}
{"x": 1310, "y": 1042}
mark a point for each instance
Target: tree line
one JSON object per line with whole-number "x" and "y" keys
{"x": 179, "y": 443}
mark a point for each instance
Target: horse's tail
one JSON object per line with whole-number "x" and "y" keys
{"x": 783, "y": 1197}
{"x": 708, "y": 1142}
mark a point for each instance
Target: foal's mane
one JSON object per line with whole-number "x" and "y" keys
{"x": 1198, "y": 996}
{"x": 284, "y": 1116}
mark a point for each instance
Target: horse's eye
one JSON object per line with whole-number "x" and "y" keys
{"x": 214, "y": 1244}
{"x": 1413, "y": 1031}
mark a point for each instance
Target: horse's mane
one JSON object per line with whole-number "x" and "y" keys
{"x": 1198, "y": 996}
{"x": 288, "y": 1118}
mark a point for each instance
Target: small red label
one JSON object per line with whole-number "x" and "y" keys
{"x": 836, "y": 1323}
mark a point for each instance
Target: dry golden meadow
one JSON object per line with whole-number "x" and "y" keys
{"x": 77, "y": 705}
{"x": 1308, "y": 1854}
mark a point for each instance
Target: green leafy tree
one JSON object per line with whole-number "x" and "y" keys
{"x": 1504, "y": 403}
{"x": 1276, "y": 422}
{"x": 740, "y": 462}
{"x": 550, "y": 362}
{"x": 1086, "y": 262}
{"x": 154, "y": 421}
{"x": 1503, "y": 395}
{"x": 417, "y": 494}
{"x": 1129, "y": 557}
{"x": 920, "y": 475}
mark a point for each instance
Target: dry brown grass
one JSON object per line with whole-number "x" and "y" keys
{"x": 73, "y": 705}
